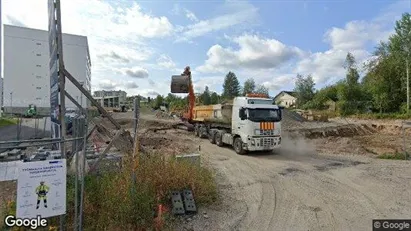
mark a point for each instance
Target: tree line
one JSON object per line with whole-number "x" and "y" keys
{"x": 383, "y": 87}
{"x": 231, "y": 89}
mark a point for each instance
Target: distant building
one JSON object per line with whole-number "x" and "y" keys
{"x": 286, "y": 98}
{"x": 111, "y": 98}
{"x": 27, "y": 71}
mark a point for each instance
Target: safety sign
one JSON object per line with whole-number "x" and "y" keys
{"x": 41, "y": 189}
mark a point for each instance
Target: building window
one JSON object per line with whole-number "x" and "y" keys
{"x": 38, "y": 76}
{"x": 38, "y": 65}
{"x": 38, "y": 88}
{"x": 38, "y": 54}
{"x": 38, "y": 43}
{"x": 38, "y": 98}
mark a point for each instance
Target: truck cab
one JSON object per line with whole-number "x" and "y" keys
{"x": 256, "y": 125}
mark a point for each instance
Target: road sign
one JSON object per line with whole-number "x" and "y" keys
{"x": 41, "y": 189}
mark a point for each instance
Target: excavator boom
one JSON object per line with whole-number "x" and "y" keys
{"x": 183, "y": 84}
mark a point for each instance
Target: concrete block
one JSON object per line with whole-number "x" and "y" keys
{"x": 193, "y": 158}
{"x": 177, "y": 203}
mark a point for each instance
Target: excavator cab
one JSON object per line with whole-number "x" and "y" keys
{"x": 181, "y": 83}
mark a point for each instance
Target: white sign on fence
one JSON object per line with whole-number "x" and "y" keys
{"x": 41, "y": 189}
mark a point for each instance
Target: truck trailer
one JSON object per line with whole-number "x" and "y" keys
{"x": 249, "y": 123}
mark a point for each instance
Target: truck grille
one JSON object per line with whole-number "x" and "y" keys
{"x": 266, "y": 132}
{"x": 266, "y": 141}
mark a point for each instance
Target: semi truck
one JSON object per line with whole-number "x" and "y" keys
{"x": 248, "y": 123}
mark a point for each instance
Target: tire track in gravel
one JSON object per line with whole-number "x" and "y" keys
{"x": 303, "y": 192}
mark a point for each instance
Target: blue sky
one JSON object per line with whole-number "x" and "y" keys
{"x": 137, "y": 45}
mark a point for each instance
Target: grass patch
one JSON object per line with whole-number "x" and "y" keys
{"x": 114, "y": 202}
{"x": 393, "y": 156}
{"x": 7, "y": 121}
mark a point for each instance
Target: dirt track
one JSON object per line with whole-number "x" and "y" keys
{"x": 297, "y": 189}
{"x": 325, "y": 183}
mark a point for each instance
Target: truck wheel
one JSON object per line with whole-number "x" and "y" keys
{"x": 196, "y": 132}
{"x": 211, "y": 137}
{"x": 218, "y": 139}
{"x": 202, "y": 131}
{"x": 238, "y": 146}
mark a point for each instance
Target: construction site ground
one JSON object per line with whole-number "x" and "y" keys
{"x": 326, "y": 176}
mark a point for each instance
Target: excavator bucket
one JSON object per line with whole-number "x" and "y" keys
{"x": 180, "y": 83}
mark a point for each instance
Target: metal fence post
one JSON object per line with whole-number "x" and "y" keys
{"x": 83, "y": 172}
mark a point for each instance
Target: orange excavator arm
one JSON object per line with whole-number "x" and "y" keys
{"x": 191, "y": 96}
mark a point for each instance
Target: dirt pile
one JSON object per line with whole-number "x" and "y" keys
{"x": 164, "y": 115}
{"x": 291, "y": 120}
{"x": 171, "y": 142}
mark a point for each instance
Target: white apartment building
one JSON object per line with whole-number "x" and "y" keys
{"x": 27, "y": 72}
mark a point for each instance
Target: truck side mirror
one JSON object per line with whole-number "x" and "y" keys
{"x": 242, "y": 114}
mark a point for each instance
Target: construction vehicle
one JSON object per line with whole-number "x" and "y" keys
{"x": 31, "y": 111}
{"x": 249, "y": 123}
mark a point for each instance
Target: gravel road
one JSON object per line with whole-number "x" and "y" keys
{"x": 297, "y": 189}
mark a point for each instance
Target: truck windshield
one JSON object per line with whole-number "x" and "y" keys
{"x": 264, "y": 115}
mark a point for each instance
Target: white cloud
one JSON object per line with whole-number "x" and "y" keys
{"x": 107, "y": 84}
{"x": 131, "y": 85}
{"x": 238, "y": 14}
{"x": 277, "y": 83}
{"x": 253, "y": 53}
{"x": 177, "y": 10}
{"x": 166, "y": 61}
{"x": 190, "y": 15}
{"x": 213, "y": 82}
{"x": 135, "y": 72}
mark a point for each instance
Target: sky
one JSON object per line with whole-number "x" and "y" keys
{"x": 137, "y": 46}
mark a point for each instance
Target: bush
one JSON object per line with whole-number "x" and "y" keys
{"x": 394, "y": 156}
{"x": 7, "y": 121}
{"x": 113, "y": 202}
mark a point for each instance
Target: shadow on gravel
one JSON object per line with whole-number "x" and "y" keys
{"x": 335, "y": 165}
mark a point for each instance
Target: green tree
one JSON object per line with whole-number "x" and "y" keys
{"x": 384, "y": 81}
{"x": 206, "y": 96}
{"x": 350, "y": 91}
{"x": 231, "y": 86}
{"x": 249, "y": 86}
{"x": 322, "y": 96}
{"x": 261, "y": 89}
{"x": 304, "y": 88}
{"x": 214, "y": 98}
{"x": 158, "y": 101}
